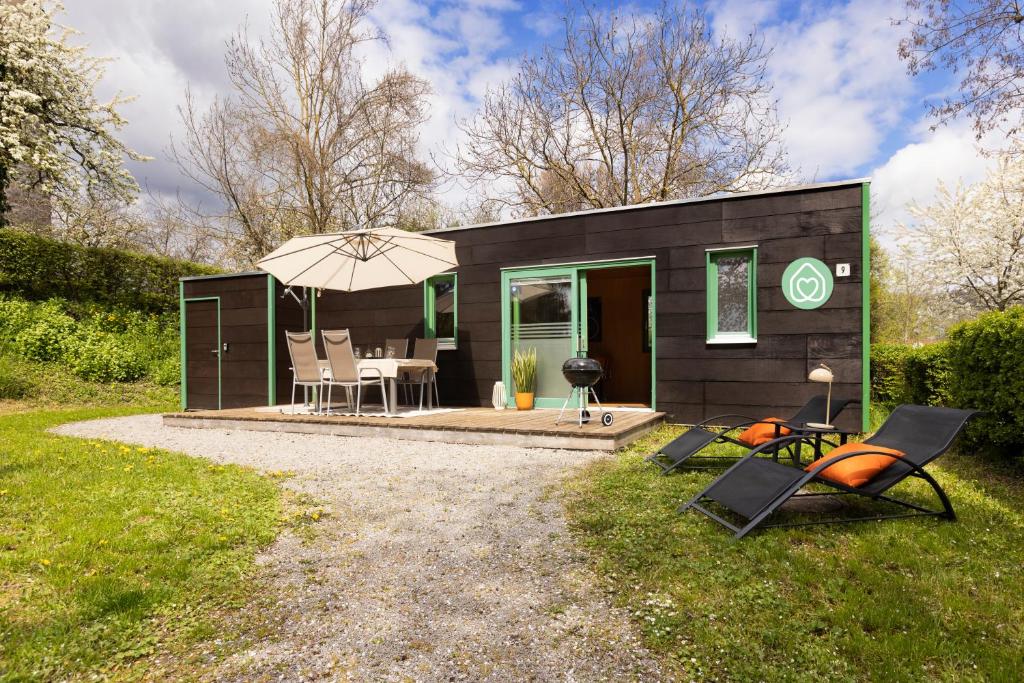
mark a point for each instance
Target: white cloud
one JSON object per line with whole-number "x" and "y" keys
{"x": 839, "y": 83}
{"x": 160, "y": 48}
{"x": 156, "y": 50}
{"x": 949, "y": 154}
{"x": 457, "y": 51}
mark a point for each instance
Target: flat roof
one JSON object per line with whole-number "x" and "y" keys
{"x": 649, "y": 205}
{"x": 220, "y": 276}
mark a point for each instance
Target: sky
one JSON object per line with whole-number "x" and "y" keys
{"x": 850, "y": 108}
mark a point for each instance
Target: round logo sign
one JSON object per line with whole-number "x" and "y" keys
{"x": 807, "y": 283}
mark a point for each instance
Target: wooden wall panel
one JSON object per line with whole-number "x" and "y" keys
{"x": 694, "y": 380}
{"x": 243, "y": 327}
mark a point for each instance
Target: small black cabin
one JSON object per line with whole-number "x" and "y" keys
{"x": 696, "y": 307}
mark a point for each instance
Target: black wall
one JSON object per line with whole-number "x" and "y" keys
{"x": 694, "y": 380}
{"x": 243, "y": 326}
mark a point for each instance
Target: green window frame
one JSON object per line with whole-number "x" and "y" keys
{"x": 715, "y": 335}
{"x": 430, "y": 303}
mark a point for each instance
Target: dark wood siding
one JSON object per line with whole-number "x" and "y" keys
{"x": 289, "y": 318}
{"x": 694, "y": 380}
{"x": 201, "y": 365}
{"x": 243, "y": 327}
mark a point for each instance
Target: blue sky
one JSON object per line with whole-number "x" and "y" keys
{"x": 851, "y": 109}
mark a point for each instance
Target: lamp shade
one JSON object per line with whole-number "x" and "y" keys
{"x": 820, "y": 374}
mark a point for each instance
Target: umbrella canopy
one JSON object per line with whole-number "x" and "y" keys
{"x": 359, "y": 259}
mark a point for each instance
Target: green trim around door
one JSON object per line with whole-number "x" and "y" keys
{"x": 183, "y": 399}
{"x": 577, "y": 273}
{"x": 865, "y": 331}
{"x": 271, "y": 340}
{"x": 184, "y": 352}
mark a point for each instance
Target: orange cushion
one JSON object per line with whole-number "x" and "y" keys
{"x": 860, "y": 469}
{"x": 760, "y": 433}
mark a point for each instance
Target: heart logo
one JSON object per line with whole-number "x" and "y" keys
{"x": 808, "y": 288}
{"x": 806, "y": 285}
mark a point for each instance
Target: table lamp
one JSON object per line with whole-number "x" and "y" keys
{"x": 823, "y": 373}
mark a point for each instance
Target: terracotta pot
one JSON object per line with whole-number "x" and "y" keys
{"x": 524, "y": 401}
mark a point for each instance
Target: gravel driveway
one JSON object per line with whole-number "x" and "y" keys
{"x": 436, "y": 562}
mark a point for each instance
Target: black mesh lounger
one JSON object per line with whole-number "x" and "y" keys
{"x": 754, "y": 488}
{"x": 683, "y": 450}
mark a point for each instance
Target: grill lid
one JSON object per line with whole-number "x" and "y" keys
{"x": 582, "y": 372}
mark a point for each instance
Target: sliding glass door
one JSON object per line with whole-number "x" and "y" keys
{"x": 542, "y": 317}
{"x": 545, "y": 308}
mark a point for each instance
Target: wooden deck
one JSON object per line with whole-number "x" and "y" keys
{"x": 533, "y": 428}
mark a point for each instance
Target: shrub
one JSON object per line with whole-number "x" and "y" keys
{"x": 40, "y": 268}
{"x": 888, "y": 373}
{"x": 47, "y": 335}
{"x": 104, "y": 358}
{"x": 926, "y": 375}
{"x": 15, "y": 316}
{"x": 166, "y": 372}
{"x": 986, "y": 371}
{"x": 15, "y": 380}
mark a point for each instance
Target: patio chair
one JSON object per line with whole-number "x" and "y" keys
{"x": 325, "y": 368}
{"x": 424, "y": 349}
{"x": 681, "y": 451}
{"x": 396, "y": 348}
{"x": 305, "y": 365}
{"x": 345, "y": 372}
{"x": 913, "y": 436}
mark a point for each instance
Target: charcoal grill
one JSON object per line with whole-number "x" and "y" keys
{"x": 582, "y": 374}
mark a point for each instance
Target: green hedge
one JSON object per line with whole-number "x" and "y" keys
{"x": 926, "y": 375}
{"x": 986, "y": 371}
{"x": 39, "y": 268}
{"x": 980, "y": 366}
{"x": 889, "y": 373}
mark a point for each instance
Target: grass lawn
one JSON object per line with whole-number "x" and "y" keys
{"x": 905, "y": 600}
{"x": 111, "y": 554}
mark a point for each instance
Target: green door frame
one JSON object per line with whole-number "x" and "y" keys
{"x": 576, "y": 271}
{"x": 183, "y": 327}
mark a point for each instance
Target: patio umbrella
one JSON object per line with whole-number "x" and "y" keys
{"x": 359, "y": 259}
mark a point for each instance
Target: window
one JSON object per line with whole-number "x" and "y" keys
{"x": 440, "y": 302}
{"x": 732, "y": 295}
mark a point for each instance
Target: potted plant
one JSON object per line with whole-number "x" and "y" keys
{"x": 524, "y": 376}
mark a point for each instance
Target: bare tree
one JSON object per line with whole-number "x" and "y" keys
{"x": 912, "y": 306}
{"x": 981, "y": 39}
{"x": 174, "y": 229}
{"x": 97, "y": 219}
{"x": 629, "y": 109}
{"x": 305, "y": 144}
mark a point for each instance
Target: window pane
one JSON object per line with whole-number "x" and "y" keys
{"x": 444, "y": 308}
{"x": 733, "y": 281}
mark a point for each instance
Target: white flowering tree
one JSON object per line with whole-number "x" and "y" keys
{"x": 55, "y": 136}
{"x": 972, "y": 237}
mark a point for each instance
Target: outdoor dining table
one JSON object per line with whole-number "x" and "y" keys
{"x": 391, "y": 369}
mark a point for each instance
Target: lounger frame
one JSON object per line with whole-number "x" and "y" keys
{"x": 876, "y": 489}
{"x": 704, "y": 434}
